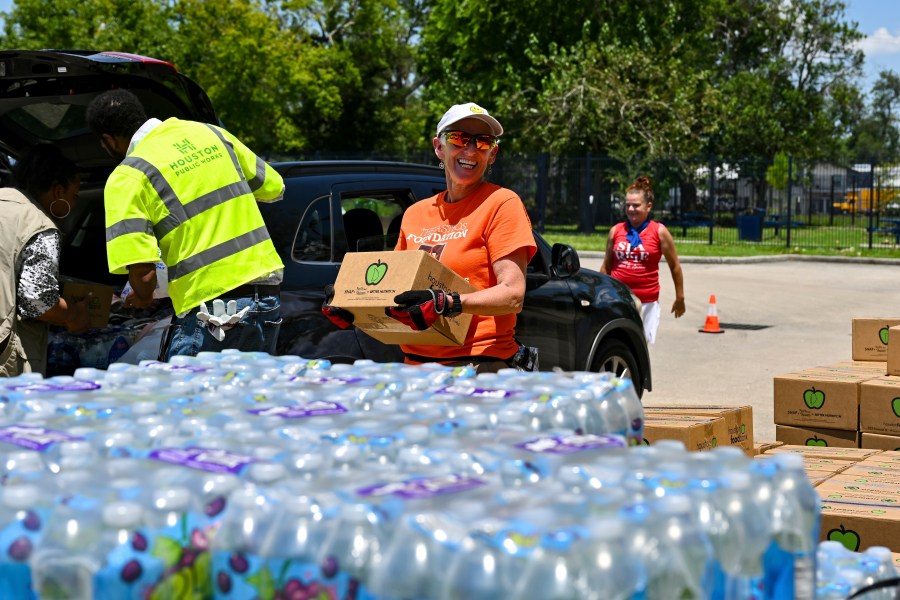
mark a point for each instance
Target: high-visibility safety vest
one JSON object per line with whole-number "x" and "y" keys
{"x": 191, "y": 189}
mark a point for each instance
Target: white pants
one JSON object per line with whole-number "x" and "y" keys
{"x": 650, "y": 316}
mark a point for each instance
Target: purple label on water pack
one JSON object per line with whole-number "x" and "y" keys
{"x": 324, "y": 380}
{"x": 34, "y": 438}
{"x": 69, "y": 386}
{"x": 422, "y": 488}
{"x": 174, "y": 368}
{"x": 213, "y": 460}
{"x": 568, "y": 444}
{"x": 477, "y": 392}
{"x": 300, "y": 411}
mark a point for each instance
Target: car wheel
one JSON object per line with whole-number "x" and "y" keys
{"x": 614, "y": 356}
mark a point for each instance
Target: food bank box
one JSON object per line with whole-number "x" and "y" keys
{"x": 832, "y": 490}
{"x": 879, "y": 405}
{"x": 763, "y": 447}
{"x": 368, "y": 282}
{"x": 851, "y": 454}
{"x": 800, "y": 436}
{"x": 878, "y": 441}
{"x": 696, "y": 433}
{"x": 739, "y": 420}
{"x": 860, "y": 526}
{"x": 893, "y": 353}
{"x": 870, "y": 337}
{"x": 99, "y": 304}
{"x": 826, "y": 400}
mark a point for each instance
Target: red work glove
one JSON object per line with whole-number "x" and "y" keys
{"x": 418, "y": 309}
{"x": 340, "y": 317}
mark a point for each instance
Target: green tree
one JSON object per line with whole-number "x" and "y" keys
{"x": 875, "y": 136}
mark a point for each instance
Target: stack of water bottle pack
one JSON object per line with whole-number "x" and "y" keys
{"x": 240, "y": 475}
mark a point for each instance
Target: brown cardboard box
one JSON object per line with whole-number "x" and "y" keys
{"x": 829, "y": 401}
{"x": 99, "y": 305}
{"x": 368, "y": 282}
{"x": 697, "y": 433}
{"x": 857, "y": 474}
{"x": 870, "y": 337}
{"x": 879, "y": 405}
{"x": 881, "y": 442}
{"x": 739, "y": 420}
{"x": 831, "y": 465}
{"x": 854, "y": 366}
{"x": 896, "y": 557}
{"x": 817, "y": 477}
{"x": 893, "y": 352}
{"x": 830, "y": 438}
{"x": 847, "y": 493}
{"x": 859, "y": 526}
{"x": 763, "y": 447}
{"x": 851, "y": 454}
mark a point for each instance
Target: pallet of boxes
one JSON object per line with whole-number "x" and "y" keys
{"x": 700, "y": 427}
{"x": 848, "y": 414}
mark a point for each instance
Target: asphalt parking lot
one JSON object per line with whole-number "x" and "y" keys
{"x": 805, "y": 306}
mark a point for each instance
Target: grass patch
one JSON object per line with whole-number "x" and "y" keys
{"x": 812, "y": 241}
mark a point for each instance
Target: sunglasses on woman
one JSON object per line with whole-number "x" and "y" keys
{"x": 461, "y": 139}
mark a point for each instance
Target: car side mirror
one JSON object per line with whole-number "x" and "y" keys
{"x": 565, "y": 260}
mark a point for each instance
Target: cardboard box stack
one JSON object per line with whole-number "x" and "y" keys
{"x": 700, "y": 427}
{"x": 860, "y": 493}
{"x": 851, "y": 404}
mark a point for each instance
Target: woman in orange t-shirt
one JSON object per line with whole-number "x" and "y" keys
{"x": 479, "y": 230}
{"x": 633, "y": 251}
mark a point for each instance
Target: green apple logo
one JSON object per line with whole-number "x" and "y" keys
{"x": 849, "y": 538}
{"x": 895, "y": 406}
{"x": 835, "y": 496}
{"x": 814, "y": 398}
{"x": 375, "y": 272}
{"x": 714, "y": 443}
{"x": 815, "y": 441}
{"x": 883, "y": 334}
{"x": 743, "y": 429}
{"x": 646, "y": 442}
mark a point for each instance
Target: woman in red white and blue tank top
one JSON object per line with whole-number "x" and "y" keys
{"x": 633, "y": 251}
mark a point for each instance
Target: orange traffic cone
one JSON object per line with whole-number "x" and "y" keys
{"x": 712, "y": 318}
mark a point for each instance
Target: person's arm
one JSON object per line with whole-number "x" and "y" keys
{"x": 607, "y": 265}
{"x": 667, "y": 245}
{"x": 142, "y": 277}
{"x": 71, "y": 315}
{"x": 507, "y": 295}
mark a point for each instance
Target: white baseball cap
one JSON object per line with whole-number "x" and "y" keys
{"x": 469, "y": 110}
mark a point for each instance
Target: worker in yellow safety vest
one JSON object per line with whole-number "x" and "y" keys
{"x": 186, "y": 192}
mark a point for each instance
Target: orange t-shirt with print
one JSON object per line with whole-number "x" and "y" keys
{"x": 468, "y": 236}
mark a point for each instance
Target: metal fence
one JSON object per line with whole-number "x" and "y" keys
{"x": 779, "y": 202}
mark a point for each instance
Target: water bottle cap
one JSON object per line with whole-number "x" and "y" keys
{"x": 21, "y": 497}
{"x": 266, "y": 472}
{"x": 882, "y": 553}
{"x": 737, "y": 480}
{"x": 675, "y": 504}
{"x": 606, "y": 529}
{"x": 831, "y": 545}
{"x": 788, "y": 460}
{"x": 854, "y": 578}
{"x": 415, "y": 433}
{"x": 122, "y": 514}
{"x": 175, "y": 499}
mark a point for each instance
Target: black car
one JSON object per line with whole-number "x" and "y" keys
{"x": 579, "y": 319}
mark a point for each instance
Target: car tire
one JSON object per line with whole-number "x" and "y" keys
{"x": 614, "y": 356}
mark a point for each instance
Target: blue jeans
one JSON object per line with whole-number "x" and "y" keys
{"x": 256, "y": 332}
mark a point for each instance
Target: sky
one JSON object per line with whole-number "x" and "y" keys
{"x": 878, "y": 20}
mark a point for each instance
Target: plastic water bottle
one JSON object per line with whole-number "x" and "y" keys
{"x": 23, "y": 516}
{"x": 612, "y": 570}
{"x": 554, "y": 570}
{"x": 237, "y": 558}
{"x": 740, "y": 533}
{"x": 354, "y": 539}
{"x": 679, "y": 558}
{"x": 86, "y": 557}
{"x": 790, "y": 561}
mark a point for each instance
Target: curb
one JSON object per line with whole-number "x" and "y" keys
{"x": 743, "y": 260}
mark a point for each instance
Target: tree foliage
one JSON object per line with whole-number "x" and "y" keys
{"x": 640, "y": 80}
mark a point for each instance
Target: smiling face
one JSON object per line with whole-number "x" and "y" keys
{"x": 464, "y": 167}
{"x": 637, "y": 208}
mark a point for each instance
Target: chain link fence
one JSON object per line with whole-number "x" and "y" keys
{"x": 778, "y": 202}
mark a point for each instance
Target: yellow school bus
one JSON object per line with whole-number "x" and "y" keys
{"x": 861, "y": 200}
